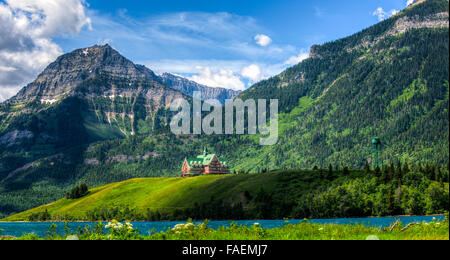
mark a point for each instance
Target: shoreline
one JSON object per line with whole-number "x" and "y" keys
{"x": 140, "y": 221}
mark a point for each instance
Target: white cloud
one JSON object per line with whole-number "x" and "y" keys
{"x": 246, "y": 71}
{"x": 221, "y": 78}
{"x": 263, "y": 40}
{"x": 27, "y": 28}
{"x": 382, "y": 14}
{"x": 241, "y": 71}
{"x": 8, "y": 91}
{"x": 7, "y": 69}
{"x": 189, "y": 67}
{"x": 410, "y": 2}
{"x": 252, "y": 72}
{"x": 294, "y": 60}
{"x": 50, "y": 18}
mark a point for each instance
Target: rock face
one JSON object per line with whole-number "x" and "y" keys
{"x": 188, "y": 87}
{"x": 406, "y": 23}
{"x": 314, "y": 52}
{"x": 61, "y": 77}
{"x": 15, "y": 137}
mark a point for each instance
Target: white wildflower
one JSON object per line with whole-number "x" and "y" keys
{"x": 372, "y": 237}
{"x": 189, "y": 225}
{"x": 72, "y": 237}
{"x": 128, "y": 225}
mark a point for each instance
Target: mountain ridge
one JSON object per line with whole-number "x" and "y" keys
{"x": 188, "y": 87}
{"x": 62, "y": 76}
{"x": 372, "y": 83}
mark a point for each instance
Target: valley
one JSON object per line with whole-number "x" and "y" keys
{"x": 94, "y": 117}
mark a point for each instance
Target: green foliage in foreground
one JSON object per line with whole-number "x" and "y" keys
{"x": 303, "y": 231}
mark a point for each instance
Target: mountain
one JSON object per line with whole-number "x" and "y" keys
{"x": 188, "y": 87}
{"x": 61, "y": 77}
{"x": 389, "y": 81}
{"x": 102, "y": 119}
{"x": 112, "y": 93}
{"x": 86, "y": 96}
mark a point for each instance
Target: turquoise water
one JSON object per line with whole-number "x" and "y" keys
{"x": 17, "y": 229}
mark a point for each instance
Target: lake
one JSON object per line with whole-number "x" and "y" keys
{"x": 41, "y": 228}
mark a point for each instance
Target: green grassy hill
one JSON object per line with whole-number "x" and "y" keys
{"x": 279, "y": 194}
{"x": 157, "y": 194}
{"x": 143, "y": 193}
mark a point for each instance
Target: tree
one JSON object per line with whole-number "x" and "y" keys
{"x": 367, "y": 167}
{"x": 437, "y": 173}
{"x": 78, "y": 192}
{"x": 346, "y": 171}
{"x": 405, "y": 169}
{"x": 377, "y": 172}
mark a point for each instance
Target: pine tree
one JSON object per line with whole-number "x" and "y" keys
{"x": 367, "y": 167}
{"x": 405, "y": 168}
{"x": 346, "y": 171}
{"x": 329, "y": 175}
{"x": 385, "y": 175}
{"x": 389, "y": 202}
{"x": 377, "y": 172}
{"x": 437, "y": 174}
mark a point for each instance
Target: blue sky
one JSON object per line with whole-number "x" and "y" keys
{"x": 230, "y": 43}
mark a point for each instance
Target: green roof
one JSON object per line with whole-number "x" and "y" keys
{"x": 205, "y": 159}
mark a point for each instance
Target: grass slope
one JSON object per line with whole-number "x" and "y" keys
{"x": 158, "y": 193}
{"x": 141, "y": 193}
{"x": 170, "y": 194}
{"x": 278, "y": 194}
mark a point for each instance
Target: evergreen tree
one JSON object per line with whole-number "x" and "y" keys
{"x": 367, "y": 167}
{"x": 346, "y": 171}
{"x": 405, "y": 169}
{"x": 377, "y": 172}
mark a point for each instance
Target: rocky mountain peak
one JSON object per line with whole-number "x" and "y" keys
{"x": 420, "y": 14}
{"x": 61, "y": 77}
{"x": 188, "y": 87}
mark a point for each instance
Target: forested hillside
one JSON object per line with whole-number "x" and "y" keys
{"x": 388, "y": 81}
